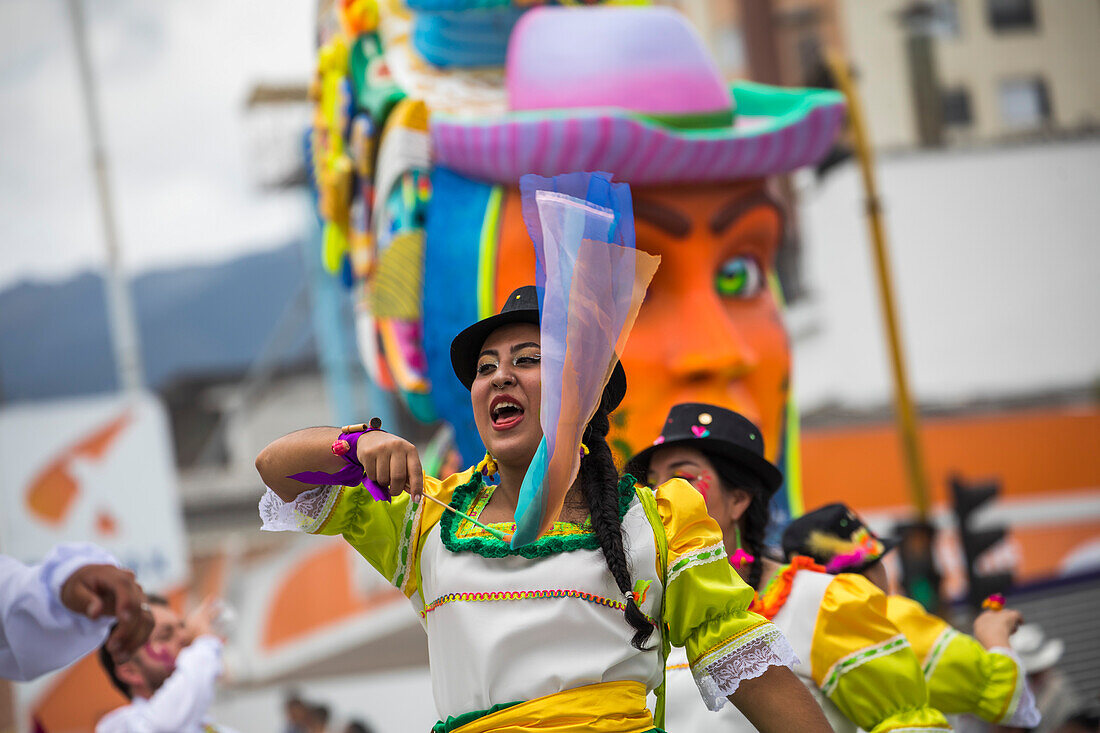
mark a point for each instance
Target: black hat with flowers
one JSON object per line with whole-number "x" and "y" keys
{"x": 716, "y": 430}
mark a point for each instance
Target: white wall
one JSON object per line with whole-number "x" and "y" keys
{"x": 995, "y": 262}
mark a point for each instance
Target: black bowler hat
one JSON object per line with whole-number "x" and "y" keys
{"x": 837, "y": 538}
{"x": 522, "y": 306}
{"x": 714, "y": 429}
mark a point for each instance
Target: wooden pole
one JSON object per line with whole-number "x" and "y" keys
{"x": 904, "y": 411}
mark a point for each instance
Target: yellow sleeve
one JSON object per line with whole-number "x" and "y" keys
{"x": 962, "y": 676}
{"x": 864, "y": 664}
{"x": 388, "y": 534}
{"x": 706, "y": 602}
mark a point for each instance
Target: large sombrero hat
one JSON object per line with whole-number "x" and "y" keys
{"x": 632, "y": 91}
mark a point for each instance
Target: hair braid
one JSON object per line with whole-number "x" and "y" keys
{"x": 754, "y": 526}
{"x": 600, "y": 485}
{"x": 754, "y": 522}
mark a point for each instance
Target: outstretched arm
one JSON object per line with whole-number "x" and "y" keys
{"x": 777, "y": 701}
{"x": 56, "y": 612}
{"x": 388, "y": 460}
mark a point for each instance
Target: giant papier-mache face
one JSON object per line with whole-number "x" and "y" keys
{"x": 710, "y": 328}
{"x": 641, "y": 99}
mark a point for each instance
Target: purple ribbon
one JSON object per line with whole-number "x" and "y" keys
{"x": 350, "y": 475}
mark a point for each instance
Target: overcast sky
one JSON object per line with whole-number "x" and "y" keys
{"x": 173, "y": 77}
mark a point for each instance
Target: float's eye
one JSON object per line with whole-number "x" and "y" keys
{"x": 739, "y": 277}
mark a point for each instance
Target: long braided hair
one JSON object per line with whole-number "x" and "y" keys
{"x": 754, "y": 522}
{"x": 600, "y": 485}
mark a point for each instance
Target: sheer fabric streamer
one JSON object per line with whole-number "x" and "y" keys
{"x": 591, "y": 283}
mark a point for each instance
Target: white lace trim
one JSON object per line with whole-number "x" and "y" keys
{"x": 720, "y": 672}
{"x": 307, "y": 513}
{"x": 1025, "y": 712}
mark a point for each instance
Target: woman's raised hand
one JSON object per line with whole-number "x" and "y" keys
{"x": 391, "y": 462}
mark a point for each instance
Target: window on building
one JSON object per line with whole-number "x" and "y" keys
{"x": 956, "y": 107}
{"x": 1025, "y": 103}
{"x": 1011, "y": 15}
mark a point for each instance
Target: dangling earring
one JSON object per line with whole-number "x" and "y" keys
{"x": 740, "y": 558}
{"x": 488, "y": 465}
{"x": 584, "y": 449}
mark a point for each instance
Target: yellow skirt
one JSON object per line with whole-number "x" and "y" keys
{"x": 606, "y": 707}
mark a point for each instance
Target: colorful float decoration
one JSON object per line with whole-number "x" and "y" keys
{"x": 429, "y": 113}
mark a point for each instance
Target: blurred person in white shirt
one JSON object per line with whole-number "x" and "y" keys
{"x": 171, "y": 680}
{"x": 53, "y": 613}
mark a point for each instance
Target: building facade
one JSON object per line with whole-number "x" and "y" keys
{"x": 1005, "y": 69}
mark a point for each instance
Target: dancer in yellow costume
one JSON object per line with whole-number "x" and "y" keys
{"x": 977, "y": 675}
{"x": 564, "y": 633}
{"x": 854, "y": 660}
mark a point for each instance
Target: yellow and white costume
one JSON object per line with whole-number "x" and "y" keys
{"x": 962, "y": 675}
{"x": 540, "y": 630}
{"x": 857, "y": 664}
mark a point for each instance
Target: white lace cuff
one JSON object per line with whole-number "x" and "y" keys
{"x": 719, "y": 672}
{"x": 1026, "y": 713}
{"x": 307, "y": 513}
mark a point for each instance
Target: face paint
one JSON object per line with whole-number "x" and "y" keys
{"x": 160, "y": 654}
{"x": 701, "y": 481}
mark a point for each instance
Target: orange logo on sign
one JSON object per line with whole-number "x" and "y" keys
{"x": 53, "y": 491}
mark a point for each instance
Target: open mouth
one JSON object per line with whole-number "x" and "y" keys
{"x": 505, "y": 412}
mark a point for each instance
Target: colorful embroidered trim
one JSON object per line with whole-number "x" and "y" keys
{"x": 768, "y": 603}
{"x": 699, "y": 557}
{"x": 406, "y": 548}
{"x": 671, "y": 667}
{"x": 486, "y": 545}
{"x": 936, "y": 652}
{"x": 524, "y": 595}
{"x": 858, "y": 659}
{"x": 469, "y": 529}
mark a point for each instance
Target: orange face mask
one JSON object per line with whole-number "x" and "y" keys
{"x": 710, "y": 329}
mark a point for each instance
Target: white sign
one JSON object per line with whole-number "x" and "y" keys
{"x": 98, "y": 470}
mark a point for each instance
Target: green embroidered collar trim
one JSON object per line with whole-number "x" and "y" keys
{"x": 482, "y": 543}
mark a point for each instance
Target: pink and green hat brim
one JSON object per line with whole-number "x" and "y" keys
{"x": 775, "y": 131}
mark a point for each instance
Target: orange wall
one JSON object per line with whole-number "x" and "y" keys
{"x": 1032, "y": 452}
{"x": 1035, "y": 453}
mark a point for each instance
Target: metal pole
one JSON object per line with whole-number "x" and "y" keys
{"x": 905, "y": 413}
{"x": 122, "y": 323}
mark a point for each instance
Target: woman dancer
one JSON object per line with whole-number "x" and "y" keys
{"x": 564, "y": 632}
{"x": 977, "y": 675}
{"x": 857, "y": 664}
